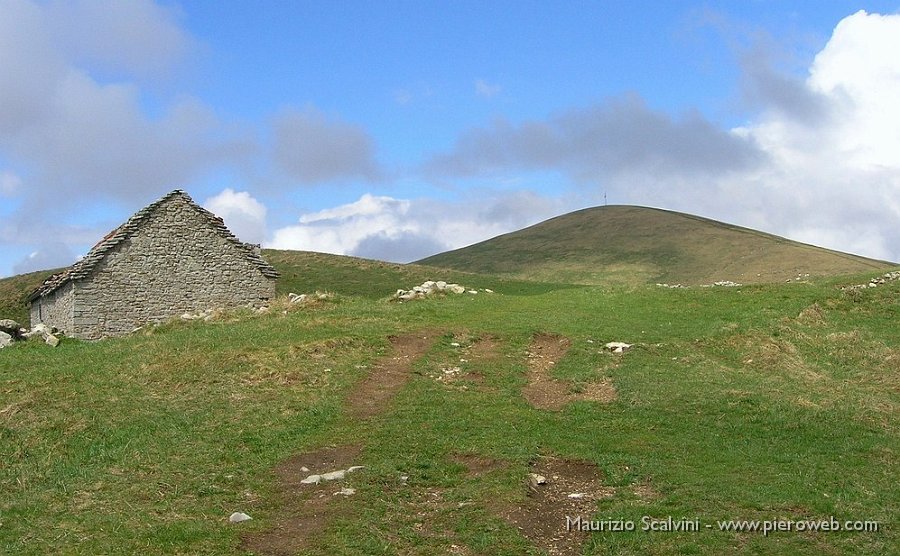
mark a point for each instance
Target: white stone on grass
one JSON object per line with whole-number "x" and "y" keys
{"x": 334, "y": 475}
{"x": 618, "y": 347}
{"x": 330, "y": 476}
{"x": 239, "y": 517}
{"x": 12, "y": 328}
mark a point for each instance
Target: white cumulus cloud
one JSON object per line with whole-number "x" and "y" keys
{"x": 244, "y": 215}
{"x": 402, "y": 230}
{"x": 835, "y": 180}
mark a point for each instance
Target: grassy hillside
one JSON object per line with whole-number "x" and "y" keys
{"x": 763, "y": 402}
{"x": 626, "y": 244}
{"x": 15, "y": 290}
{"x": 303, "y": 271}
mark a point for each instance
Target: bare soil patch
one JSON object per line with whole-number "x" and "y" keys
{"x": 485, "y": 347}
{"x": 373, "y": 395}
{"x": 477, "y": 465}
{"x": 306, "y": 508}
{"x": 545, "y": 392}
{"x": 542, "y": 391}
{"x": 572, "y": 489}
{"x": 602, "y": 392}
{"x": 462, "y": 371}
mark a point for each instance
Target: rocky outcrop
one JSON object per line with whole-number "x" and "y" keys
{"x": 875, "y": 282}
{"x": 10, "y": 332}
{"x": 12, "y": 328}
{"x": 431, "y": 288}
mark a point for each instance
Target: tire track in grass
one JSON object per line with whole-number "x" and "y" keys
{"x": 308, "y": 508}
{"x": 545, "y": 392}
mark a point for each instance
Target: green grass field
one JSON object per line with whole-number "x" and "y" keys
{"x": 760, "y": 402}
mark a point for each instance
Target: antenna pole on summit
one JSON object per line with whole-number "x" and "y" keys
{"x": 604, "y": 199}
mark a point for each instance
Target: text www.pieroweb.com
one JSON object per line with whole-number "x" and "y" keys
{"x": 670, "y": 524}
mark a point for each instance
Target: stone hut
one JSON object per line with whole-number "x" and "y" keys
{"x": 170, "y": 258}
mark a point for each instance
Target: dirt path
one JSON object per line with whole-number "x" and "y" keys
{"x": 307, "y": 509}
{"x": 571, "y": 489}
{"x": 542, "y": 391}
{"x": 556, "y": 488}
{"x": 464, "y": 367}
{"x": 545, "y": 392}
{"x": 373, "y": 395}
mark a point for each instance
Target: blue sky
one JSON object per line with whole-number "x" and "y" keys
{"x": 395, "y": 130}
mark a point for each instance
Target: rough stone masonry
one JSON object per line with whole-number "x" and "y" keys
{"x": 170, "y": 258}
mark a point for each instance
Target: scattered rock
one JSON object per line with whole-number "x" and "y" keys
{"x": 449, "y": 373}
{"x": 618, "y": 347}
{"x": 294, "y": 298}
{"x": 39, "y": 329}
{"x": 330, "y": 476}
{"x": 239, "y": 517}
{"x": 207, "y": 315}
{"x": 44, "y": 332}
{"x": 334, "y": 475}
{"x": 12, "y": 328}
{"x": 300, "y": 512}
{"x": 541, "y": 515}
{"x": 5, "y": 340}
{"x": 428, "y": 288}
{"x": 537, "y": 479}
{"x": 346, "y": 492}
{"x": 875, "y": 282}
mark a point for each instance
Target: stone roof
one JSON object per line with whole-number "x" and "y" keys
{"x": 86, "y": 265}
